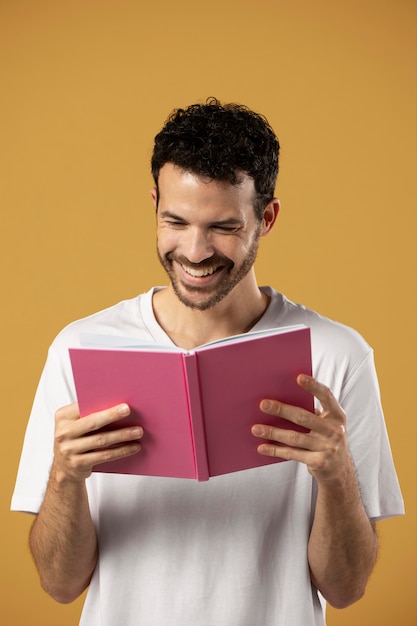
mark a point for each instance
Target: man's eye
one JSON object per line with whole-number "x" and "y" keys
{"x": 175, "y": 223}
{"x": 225, "y": 229}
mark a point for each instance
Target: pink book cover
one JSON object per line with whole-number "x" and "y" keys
{"x": 197, "y": 407}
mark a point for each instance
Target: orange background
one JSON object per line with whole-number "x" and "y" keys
{"x": 86, "y": 84}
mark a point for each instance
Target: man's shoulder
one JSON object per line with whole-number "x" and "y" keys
{"x": 326, "y": 333}
{"x": 123, "y": 318}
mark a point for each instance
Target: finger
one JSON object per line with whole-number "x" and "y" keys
{"x": 89, "y": 423}
{"x": 286, "y": 437}
{"x": 332, "y": 412}
{"x": 320, "y": 391}
{"x": 111, "y": 454}
{"x": 269, "y": 449}
{"x": 69, "y": 412}
{"x": 293, "y": 414}
{"x": 107, "y": 439}
{"x": 81, "y": 465}
{"x": 282, "y": 452}
{"x": 316, "y": 423}
{"x": 98, "y": 420}
{"x": 288, "y": 454}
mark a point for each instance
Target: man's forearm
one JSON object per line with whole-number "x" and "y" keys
{"x": 63, "y": 540}
{"x": 343, "y": 543}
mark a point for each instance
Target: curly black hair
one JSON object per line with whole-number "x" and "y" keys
{"x": 220, "y": 142}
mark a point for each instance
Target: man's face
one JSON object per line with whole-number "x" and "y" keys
{"x": 208, "y": 234}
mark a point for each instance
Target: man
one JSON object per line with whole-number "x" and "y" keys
{"x": 258, "y": 547}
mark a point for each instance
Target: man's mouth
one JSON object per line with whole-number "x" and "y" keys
{"x": 199, "y": 272}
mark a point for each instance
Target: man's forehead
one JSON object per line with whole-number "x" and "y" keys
{"x": 171, "y": 171}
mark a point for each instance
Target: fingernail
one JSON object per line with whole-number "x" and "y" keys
{"x": 137, "y": 431}
{"x": 265, "y": 405}
{"x": 257, "y": 430}
{"x": 123, "y": 410}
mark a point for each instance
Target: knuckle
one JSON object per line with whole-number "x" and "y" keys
{"x": 288, "y": 454}
{"x": 320, "y": 464}
{"x": 65, "y": 449}
{"x": 59, "y": 414}
{"x": 332, "y": 451}
{"x": 93, "y": 423}
{"x": 302, "y": 418}
{"x": 100, "y": 441}
{"x": 274, "y": 451}
{"x": 61, "y": 434}
{"x": 269, "y": 434}
{"x": 75, "y": 463}
{"x": 125, "y": 435}
{"x": 293, "y": 438}
{"x": 328, "y": 394}
{"x": 59, "y": 437}
{"x": 128, "y": 450}
{"x": 327, "y": 460}
{"x": 277, "y": 408}
{"x": 339, "y": 434}
{"x": 65, "y": 412}
{"x": 108, "y": 455}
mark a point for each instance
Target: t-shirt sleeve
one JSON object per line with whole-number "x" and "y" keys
{"x": 55, "y": 390}
{"x": 369, "y": 443}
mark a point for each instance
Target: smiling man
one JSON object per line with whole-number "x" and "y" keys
{"x": 208, "y": 238}
{"x": 262, "y": 547}
{"x": 214, "y": 223}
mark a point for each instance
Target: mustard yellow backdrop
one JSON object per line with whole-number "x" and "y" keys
{"x": 86, "y": 84}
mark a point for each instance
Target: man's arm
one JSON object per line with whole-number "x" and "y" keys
{"x": 63, "y": 539}
{"x": 343, "y": 545}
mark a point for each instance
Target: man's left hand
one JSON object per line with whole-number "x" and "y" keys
{"x": 324, "y": 449}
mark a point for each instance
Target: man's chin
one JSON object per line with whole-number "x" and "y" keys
{"x": 196, "y": 298}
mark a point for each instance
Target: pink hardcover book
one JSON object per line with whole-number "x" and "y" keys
{"x": 196, "y": 407}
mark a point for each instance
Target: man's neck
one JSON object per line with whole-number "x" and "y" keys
{"x": 188, "y": 328}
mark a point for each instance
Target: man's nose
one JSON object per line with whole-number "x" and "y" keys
{"x": 197, "y": 246}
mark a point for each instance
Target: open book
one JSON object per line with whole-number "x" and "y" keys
{"x": 196, "y": 407}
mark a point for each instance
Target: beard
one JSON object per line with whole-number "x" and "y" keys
{"x": 206, "y": 297}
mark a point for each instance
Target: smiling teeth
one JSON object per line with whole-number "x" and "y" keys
{"x": 199, "y": 273}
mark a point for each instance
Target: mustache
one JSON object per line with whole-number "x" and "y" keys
{"x": 213, "y": 261}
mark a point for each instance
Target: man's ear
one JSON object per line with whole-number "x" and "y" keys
{"x": 270, "y": 215}
{"x": 154, "y": 196}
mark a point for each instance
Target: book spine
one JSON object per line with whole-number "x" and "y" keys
{"x": 196, "y": 416}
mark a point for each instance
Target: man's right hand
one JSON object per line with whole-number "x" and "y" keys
{"x": 80, "y": 444}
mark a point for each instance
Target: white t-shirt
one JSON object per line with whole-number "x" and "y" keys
{"x": 231, "y": 551}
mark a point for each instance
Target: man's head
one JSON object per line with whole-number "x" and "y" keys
{"x": 220, "y": 142}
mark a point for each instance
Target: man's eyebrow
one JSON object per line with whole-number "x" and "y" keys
{"x": 230, "y": 221}
{"x": 173, "y": 216}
